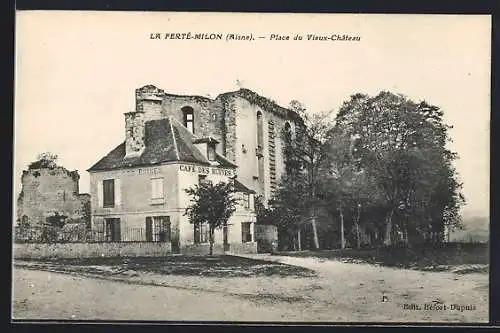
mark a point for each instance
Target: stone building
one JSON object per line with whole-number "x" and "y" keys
{"x": 171, "y": 143}
{"x": 47, "y": 191}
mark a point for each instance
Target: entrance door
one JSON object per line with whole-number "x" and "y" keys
{"x": 224, "y": 235}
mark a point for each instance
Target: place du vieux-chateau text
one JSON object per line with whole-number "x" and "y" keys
{"x": 250, "y": 36}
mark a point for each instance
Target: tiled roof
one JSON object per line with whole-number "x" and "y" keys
{"x": 166, "y": 140}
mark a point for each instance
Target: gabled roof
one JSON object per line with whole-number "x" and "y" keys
{"x": 166, "y": 140}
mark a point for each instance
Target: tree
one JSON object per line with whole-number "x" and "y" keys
{"x": 212, "y": 204}
{"x": 305, "y": 154}
{"x": 400, "y": 146}
{"x": 44, "y": 160}
{"x": 289, "y": 207}
{"x": 346, "y": 188}
{"x": 87, "y": 213}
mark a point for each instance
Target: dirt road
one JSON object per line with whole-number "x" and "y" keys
{"x": 342, "y": 292}
{"x": 45, "y": 295}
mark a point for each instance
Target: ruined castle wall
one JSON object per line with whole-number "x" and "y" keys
{"x": 241, "y": 140}
{"x": 46, "y": 191}
{"x": 208, "y": 115}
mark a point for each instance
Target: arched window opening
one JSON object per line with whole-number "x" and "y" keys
{"x": 188, "y": 118}
{"x": 260, "y": 132}
{"x": 288, "y": 131}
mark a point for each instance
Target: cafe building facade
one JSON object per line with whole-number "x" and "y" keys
{"x": 175, "y": 142}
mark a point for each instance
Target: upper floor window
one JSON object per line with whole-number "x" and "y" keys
{"x": 157, "y": 188}
{"x": 288, "y": 128}
{"x": 108, "y": 186}
{"x": 211, "y": 152}
{"x": 188, "y": 120}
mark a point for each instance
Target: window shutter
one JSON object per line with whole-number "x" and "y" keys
{"x": 100, "y": 192}
{"x": 149, "y": 229}
{"x": 160, "y": 187}
{"x": 118, "y": 192}
{"x": 157, "y": 188}
{"x": 117, "y": 235}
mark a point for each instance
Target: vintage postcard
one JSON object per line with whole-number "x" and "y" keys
{"x": 246, "y": 167}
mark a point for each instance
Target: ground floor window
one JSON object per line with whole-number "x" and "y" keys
{"x": 246, "y": 232}
{"x": 158, "y": 229}
{"x": 201, "y": 233}
{"x": 113, "y": 230}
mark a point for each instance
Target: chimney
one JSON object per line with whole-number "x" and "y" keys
{"x": 148, "y": 99}
{"x": 134, "y": 134}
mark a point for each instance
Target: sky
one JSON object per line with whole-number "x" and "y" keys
{"x": 76, "y": 74}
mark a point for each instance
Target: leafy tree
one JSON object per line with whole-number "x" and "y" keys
{"x": 289, "y": 207}
{"x": 212, "y": 204}
{"x": 44, "y": 160}
{"x": 304, "y": 155}
{"x": 87, "y": 213}
{"x": 400, "y": 147}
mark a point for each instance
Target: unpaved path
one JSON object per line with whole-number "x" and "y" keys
{"x": 344, "y": 292}
{"x": 45, "y": 295}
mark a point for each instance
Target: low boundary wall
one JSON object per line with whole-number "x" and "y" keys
{"x": 90, "y": 250}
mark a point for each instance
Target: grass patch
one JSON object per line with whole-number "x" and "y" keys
{"x": 217, "y": 266}
{"x": 440, "y": 257}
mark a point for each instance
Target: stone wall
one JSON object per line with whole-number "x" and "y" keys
{"x": 46, "y": 191}
{"x": 229, "y": 108}
{"x": 218, "y": 249}
{"x": 90, "y": 250}
{"x": 134, "y": 133}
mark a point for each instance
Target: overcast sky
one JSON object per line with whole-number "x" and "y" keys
{"x": 76, "y": 74}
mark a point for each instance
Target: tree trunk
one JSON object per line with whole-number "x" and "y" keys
{"x": 405, "y": 234}
{"x": 388, "y": 229}
{"x": 342, "y": 237}
{"x": 313, "y": 215}
{"x": 299, "y": 240}
{"x": 211, "y": 242}
{"x": 315, "y": 232}
{"x": 358, "y": 240}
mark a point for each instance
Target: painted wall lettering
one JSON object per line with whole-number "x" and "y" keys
{"x": 205, "y": 170}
